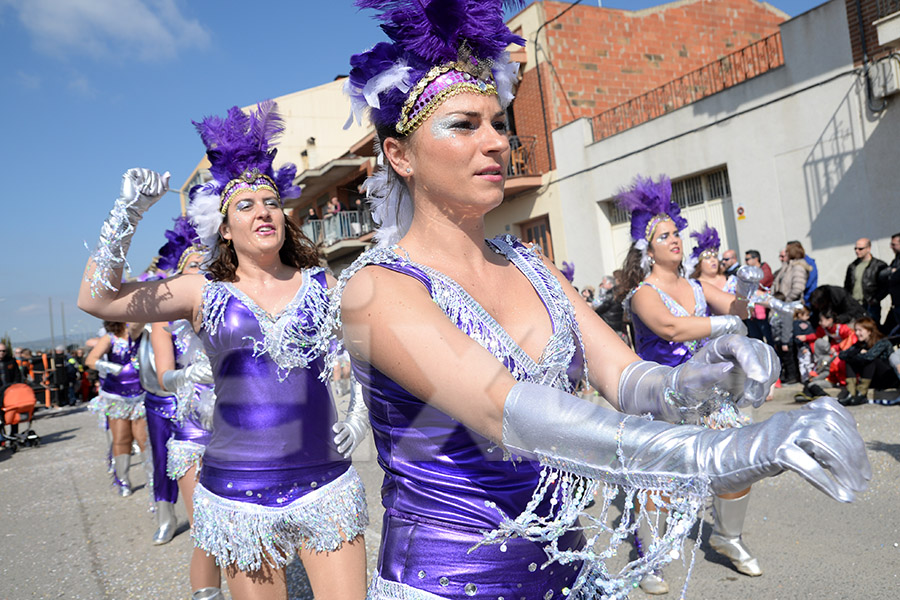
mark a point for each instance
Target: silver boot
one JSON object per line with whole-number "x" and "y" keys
{"x": 121, "y": 463}
{"x": 728, "y": 523}
{"x": 652, "y": 583}
{"x": 208, "y": 593}
{"x": 166, "y": 522}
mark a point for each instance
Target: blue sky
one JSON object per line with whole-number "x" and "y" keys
{"x": 94, "y": 87}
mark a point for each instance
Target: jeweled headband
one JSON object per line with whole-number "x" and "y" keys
{"x": 653, "y": 224}
{"x": 251, "y": 180}
{"x": 437, "y": 86}
{"x": 188, "y": 252}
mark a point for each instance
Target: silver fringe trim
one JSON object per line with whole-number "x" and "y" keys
{"x": 109, "y": 255}
{"x": 182, "y": 455}
{"x": 120, "y": 407}
{"x": 382, "y": 589}
{"x": 286, "y": 339}
{"x": 245, "y": 534}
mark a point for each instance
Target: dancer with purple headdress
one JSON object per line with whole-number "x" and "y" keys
{"x": 703, "y": 263}
{"x": 120, "y": 402}
{"x": 467, "y": 351}
{"x": 273, "y": 483}
{"x": 674, "y": 317}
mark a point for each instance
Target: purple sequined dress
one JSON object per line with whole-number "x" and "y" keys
{"x": 121, "y": 396}
{"x": 193, "y": 407}
{"x": 272, "y": 480}
{"x": 650, "y": 346}
{"x": 445, "y": 485}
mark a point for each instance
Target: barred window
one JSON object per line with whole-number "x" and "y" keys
{"x": 719, "y": 186}
{"x": 617, "y": 215}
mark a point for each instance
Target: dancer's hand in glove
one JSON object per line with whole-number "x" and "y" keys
{"x": 744, "y": 367}
{"x": 105, "y": 367}
{"x": 196, "y": 372}
{"x": 819, "y": 442}
{"x": 142, "y": 188}
{"x": 748, "y": 279}
{"x": 351, "y": 431}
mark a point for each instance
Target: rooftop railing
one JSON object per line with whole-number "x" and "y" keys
{"x": 888, "y": 7}
{"x": 521, "y": 160}
{"x": 737, "y": 67}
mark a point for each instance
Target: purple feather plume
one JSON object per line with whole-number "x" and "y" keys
{"x": 426, "y": 33}
{"x": 181, "y": 237}
{"x": 645, "y": 199}
{"x": 707, "y": 239}
{"x": 568, "y": 269}
{"x": 242, "y": 142}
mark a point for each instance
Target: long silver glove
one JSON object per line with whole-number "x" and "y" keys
{"x": 351, "y": 431}
{"x": 818, "y": 441}
{"x": 784, "y": 308}
{"x": 141, "y": 188}
{"x": 726, "y": 325}
{"x": 748, "y": 279}
{"x": 744, "y": 367}
{"x": 105, "y": 367}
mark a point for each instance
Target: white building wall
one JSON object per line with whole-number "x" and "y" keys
{"x": 806, "y": 160}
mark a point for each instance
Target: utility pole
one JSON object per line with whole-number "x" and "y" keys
{"x": 52, "y": 337}
{"x": 62, "y": 314}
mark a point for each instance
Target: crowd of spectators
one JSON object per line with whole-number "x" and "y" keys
{"x": 58, "y": 377}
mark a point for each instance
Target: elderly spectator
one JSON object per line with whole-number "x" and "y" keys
{"x": 861, "y": 280}
{"x": 791, "y": 278}
{"x": 730, "y": 262}
{"x": 890, "y": 283}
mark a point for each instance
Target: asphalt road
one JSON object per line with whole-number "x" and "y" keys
{"x": 66, "y": 534}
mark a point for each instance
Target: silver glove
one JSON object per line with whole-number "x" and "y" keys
{"x": 105, "y": 367}
{"x": 147, "y": 362}
{"x": 199, "y": 371}
{"x": 672, "y": 393}
{"x": 782, "y": 307}
{"x": 141, "y": 188}
{"x": 748, "y": 279}
{"x": 351, "y": 431}
{"x": 540, "y": 422}
{"x": 726, "y": 324}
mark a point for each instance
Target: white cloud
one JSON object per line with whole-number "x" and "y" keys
{"x": 81, "y": 86}
{"x": 148, "y": 30}
{"x": 29, "y": 309}
{"x": 28, "y": 81}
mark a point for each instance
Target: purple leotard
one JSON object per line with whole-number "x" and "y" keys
{"x": 272, "y": 479}
{"x": 444, "y": 484}
{"x": 121, "y": 396}
{"x": 650, "y": 346}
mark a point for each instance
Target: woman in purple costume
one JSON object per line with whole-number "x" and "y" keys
{"x": 467, "y": 351}
{"x": 674, "y": 317}
{"x": 272, "y": 483}
{"x": 121, "y": 398}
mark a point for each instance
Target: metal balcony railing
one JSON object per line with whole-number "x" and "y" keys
{"x": 521, "y": 158}
{"x": 345, "y": 225}
{"x": 888, "y": 7}
{"x": 737, "y": 67}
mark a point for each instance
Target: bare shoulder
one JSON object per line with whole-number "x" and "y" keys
{"x": 373, "y": 290}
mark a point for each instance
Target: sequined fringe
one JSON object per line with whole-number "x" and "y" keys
{"x": 382, "y": 589}
{"x": 182, "y": 455}
{"x": 122, "y": 407}
{"x": 110, "y": 252}
{"x": 245, "y": 534}
{"x": 569, "y": 486}
{"x": 97, "y": 406}
{"x": 290, "y": 342}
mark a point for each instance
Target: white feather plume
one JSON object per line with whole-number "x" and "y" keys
{"x": 203, "y": 211}
{"x": 390, "y": 203}
{"x": 505, "y": 77}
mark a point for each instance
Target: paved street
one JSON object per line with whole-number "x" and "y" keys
{"x": 67, "y": 535}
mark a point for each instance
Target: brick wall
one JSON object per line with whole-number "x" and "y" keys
{"x": 869, "y": 9}
{"x": 603, "y": 57}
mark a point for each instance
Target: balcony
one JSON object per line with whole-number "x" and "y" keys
{"x": 522, "y": 174}
{"x": 748, "y": 62}
{"x": 888, "y": 23}
{"x": 341, "y": 234}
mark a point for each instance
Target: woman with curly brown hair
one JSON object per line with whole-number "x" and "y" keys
{"x": 273, "y": 482}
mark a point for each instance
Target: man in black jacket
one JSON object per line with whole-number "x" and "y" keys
{"x": 862, "y": 279}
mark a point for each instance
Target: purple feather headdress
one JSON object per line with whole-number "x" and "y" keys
{"x": 183, "y": 241}
{"x": 438, "y": 48}
{"x": 707, "y": 242}
{"x": 240, "y": 150}
{"x": 568, "y": 270}
{"x": 650, "y": 203}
